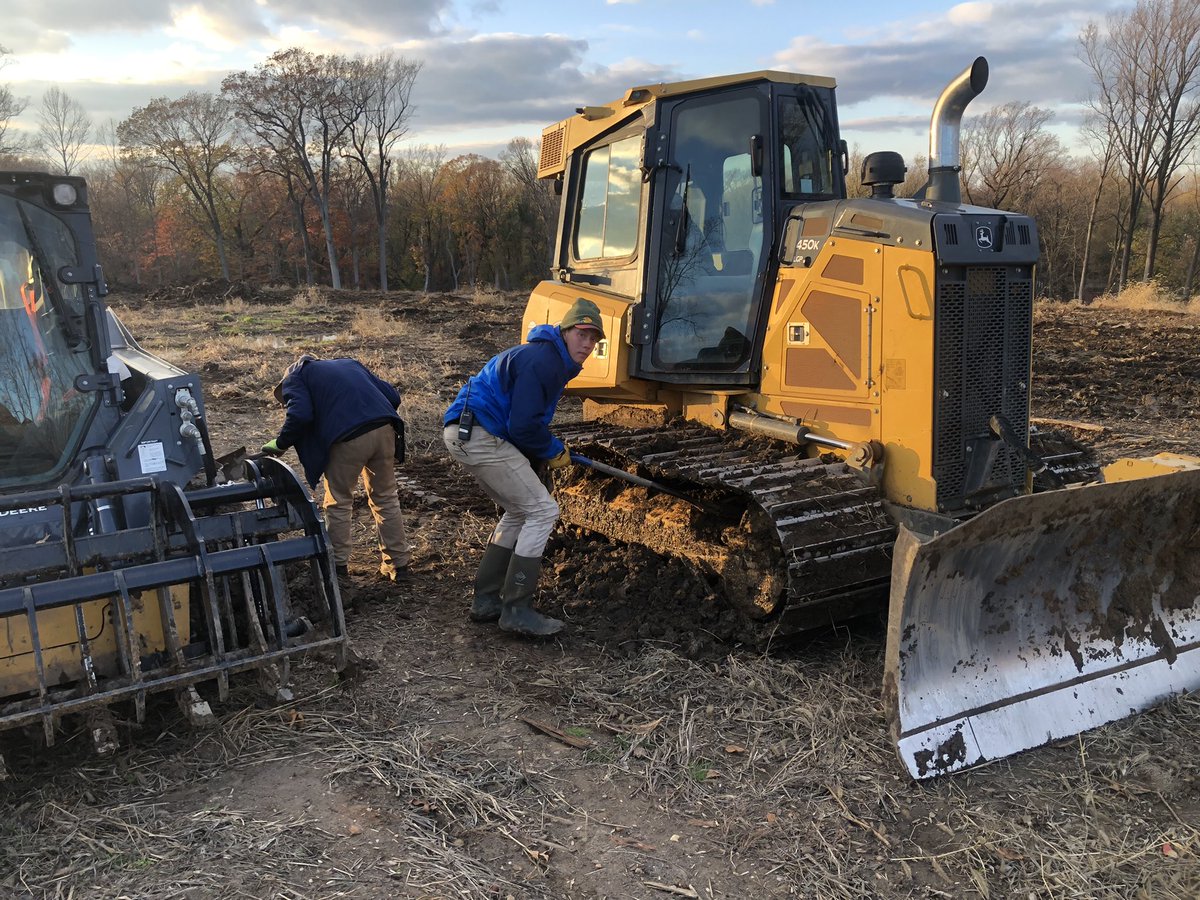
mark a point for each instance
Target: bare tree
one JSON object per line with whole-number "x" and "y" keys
{"x": 126, "y": 217}
{"x": 1146, "y": 67}
{"x": 296, "y": 103}
{"x": 11, "y": 106}
{"x": 532, "y": 216}
{"x": 1193, "y": 262}
{"x": 262, "y": 160}
{"x": 1107, "y": 152}
{"x": 1007, "y": 154}
{"x": 380, "y": 107}
{"x": 481, "y": 203}
{"x": 423, "y": 184}
{"x": 63, "y": 128}
{"x": 192, "y": 138}
{"x": 536, "y": 196}
{"x": 354, "y": 202}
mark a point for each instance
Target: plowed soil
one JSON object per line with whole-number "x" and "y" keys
{"x": 645, "y": 752}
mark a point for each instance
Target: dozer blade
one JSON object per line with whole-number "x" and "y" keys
{"x": 1042, "y": 617}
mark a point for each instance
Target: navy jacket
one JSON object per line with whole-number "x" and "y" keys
{"x": 515, "y": 394}
{"x": 326, "y": 400}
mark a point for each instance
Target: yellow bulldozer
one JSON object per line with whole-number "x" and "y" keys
{"x": 841, "y": 387}
{"x": 129, "y": 564}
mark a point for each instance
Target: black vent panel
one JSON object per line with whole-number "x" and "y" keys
{"x": 1017, "y": 233}
{"x": 553, "y": 150}
{"x": 982, "y": 335}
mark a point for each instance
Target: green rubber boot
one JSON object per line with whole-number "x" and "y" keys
{"x": 489, "y": 581}
{"x": 518, "y": 615}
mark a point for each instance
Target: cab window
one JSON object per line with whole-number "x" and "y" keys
{"x": 607, "y": 220}
{"x": 807, "y": 143}
{"x": 42, "y": 350}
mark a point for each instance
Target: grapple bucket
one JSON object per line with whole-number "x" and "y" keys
{"x": 1042, "y": 617}
{"x": 198, "y": 590}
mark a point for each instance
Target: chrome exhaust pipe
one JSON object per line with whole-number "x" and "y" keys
{"x": 944, "y": 127}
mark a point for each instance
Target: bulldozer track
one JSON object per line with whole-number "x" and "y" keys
{"x": 821, "y": 524}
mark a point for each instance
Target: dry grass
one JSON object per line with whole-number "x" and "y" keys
{"x": 485, "y": 295}
{"x": 771, "y": 759}
{"x": 787, "y": 759}
{"x": 221, "y": 845}
{"x": 1147, "y": 295}
{"x": 370, "y": 323}
{"x": 310, "y": 297}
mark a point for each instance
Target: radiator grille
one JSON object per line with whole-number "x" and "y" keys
{"x": 982, "y": 335}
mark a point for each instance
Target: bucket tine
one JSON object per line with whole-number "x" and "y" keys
{"x": 39, "y": 666}
{"x": 169, "y": 585}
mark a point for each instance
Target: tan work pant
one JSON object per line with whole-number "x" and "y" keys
{"x": 372, "y": 455}
{"x": 506, "y": 476}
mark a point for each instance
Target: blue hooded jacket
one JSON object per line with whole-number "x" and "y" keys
{"x": 515, "y": 394}
{"x": 326, "y": 400}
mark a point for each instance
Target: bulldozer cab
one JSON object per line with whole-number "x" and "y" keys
{"x": 42, "y": 414}
{"x": 732, "y": 160}
{"x": 715, "y": 173}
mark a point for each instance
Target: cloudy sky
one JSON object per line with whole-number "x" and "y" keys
{"x": 497, "y": 69}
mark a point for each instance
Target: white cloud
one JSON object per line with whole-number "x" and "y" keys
{"x": 913, "y": 61}
{"x": 194, "y": 24}
{"x": 970, "y": 13}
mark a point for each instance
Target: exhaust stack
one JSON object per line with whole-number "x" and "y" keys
{"x": 944, "y": 129}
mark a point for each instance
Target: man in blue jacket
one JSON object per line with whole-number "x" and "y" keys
{"x": 341, "y": 418}
{"x": 498, "y": 427}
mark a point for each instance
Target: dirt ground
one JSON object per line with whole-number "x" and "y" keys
{"x": 641, "y": 754}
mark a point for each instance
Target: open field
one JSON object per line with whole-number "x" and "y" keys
{"x": 641, "y": 755}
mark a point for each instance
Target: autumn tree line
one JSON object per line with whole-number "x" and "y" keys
{"x": 298, "y": 172}
{"x": 295, "y": 172}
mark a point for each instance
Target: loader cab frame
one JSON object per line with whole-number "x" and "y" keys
{"x": 677, "y": 209}
{"x": 48, "y": 350}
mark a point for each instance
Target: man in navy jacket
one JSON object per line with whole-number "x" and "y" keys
{"x": 341, "y": 419}
{"x": 498, "y": 427}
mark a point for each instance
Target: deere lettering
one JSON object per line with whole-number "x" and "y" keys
{"x": 21, "y": 511}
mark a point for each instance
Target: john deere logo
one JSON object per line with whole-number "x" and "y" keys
{"x": 983, "y": 237}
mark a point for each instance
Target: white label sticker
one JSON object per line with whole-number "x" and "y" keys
{"x": 152, "y": 457}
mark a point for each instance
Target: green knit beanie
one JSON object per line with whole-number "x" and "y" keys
{"x": 583, "y": 313}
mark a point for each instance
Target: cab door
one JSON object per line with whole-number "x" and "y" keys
{"x": 709, "y": 248}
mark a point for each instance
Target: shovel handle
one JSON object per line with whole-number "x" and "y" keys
{"x": 614, "y": 472}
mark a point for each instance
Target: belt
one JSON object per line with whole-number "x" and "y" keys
{"x": 363, "y": 429}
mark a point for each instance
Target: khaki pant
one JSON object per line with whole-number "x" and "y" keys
{"x": 506, "y": 476}
{"x": 372, "y": 455}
